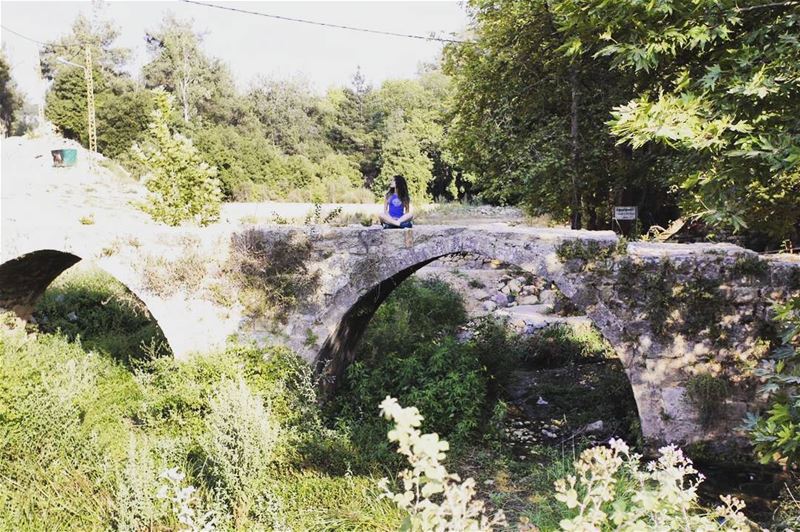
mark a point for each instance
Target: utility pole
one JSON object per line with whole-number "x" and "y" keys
{"x": 40, "y": 79}
{"x": 87, "y": 73}
{"x": 87, "y": 76}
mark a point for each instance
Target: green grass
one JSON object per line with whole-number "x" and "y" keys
{"x": 69, "y": 417}
{"x": 89, "y": 304}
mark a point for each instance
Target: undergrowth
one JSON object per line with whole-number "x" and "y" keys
{"x": 85, "y": 440}
{"x": 90, "y": 440}
{"x": 88, "y": 303}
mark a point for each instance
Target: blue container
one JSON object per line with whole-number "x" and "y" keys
{"x": 64, "y": 157}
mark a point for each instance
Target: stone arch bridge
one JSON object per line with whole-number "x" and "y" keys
{"x": 672, "y": 312}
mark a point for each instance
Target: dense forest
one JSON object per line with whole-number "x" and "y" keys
{"x": 683, "y": 109}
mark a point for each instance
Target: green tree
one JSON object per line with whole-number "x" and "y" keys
{"x": 243, "y": 160}
{"x": 99, "y": 37}
{"x": 345, "y": 121}
{"x": 66, "y": 104}
{"x": 11, "y": 100}
{"x": 121, "y": 107}
{"x": 183, "y": 187}
{"x": 424, "y": 105}
{"x": 402, "y": 154}
{"x": 528, "y": 121}
{"x": 122, "y": 119}
{"x": 122, "y": 110}
{"x": 287, "y": 111}
{"x": 180, "y": 67}
{"x": 715, "y": 81}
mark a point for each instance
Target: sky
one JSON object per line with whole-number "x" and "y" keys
{"x": 253, "y": 45}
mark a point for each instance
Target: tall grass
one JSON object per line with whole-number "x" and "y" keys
{"x": 84, "y": 439}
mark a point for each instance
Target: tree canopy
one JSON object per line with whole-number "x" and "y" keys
{"x": 716, "y": 81}
{"x": 565, "y": 107}
{"x": 11, "y": 100}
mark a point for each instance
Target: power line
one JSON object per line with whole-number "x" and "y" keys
{"x": 44, "y": 44}
{"x": 18, "y": 34}
{"x": 327, "y": 24}
{"x": 40, "y": 43}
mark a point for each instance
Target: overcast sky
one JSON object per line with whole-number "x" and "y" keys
{"x": 253, "y": 45}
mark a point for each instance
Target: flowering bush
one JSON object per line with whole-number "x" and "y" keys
{"x": 658, "y": 497}
{"x": 427, "y": 477}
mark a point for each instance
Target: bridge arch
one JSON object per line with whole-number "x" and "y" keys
{"x": 25, "y": 278}
{"x": 351, "y": 310}
{"x": 539, "y": 259}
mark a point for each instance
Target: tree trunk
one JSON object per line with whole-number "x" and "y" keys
{"x": 576, "y": 204}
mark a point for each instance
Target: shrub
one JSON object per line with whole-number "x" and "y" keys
{"x": 409, "y": 350}
{"x": 136, "y": 507}
{"x": 559, "y": 345}
{"x": 91, "y": 304}
{"x": 239, "y": 443}
{"x": 610, "y": 491}
{"x": 61, "y": 432}
{"x": 586, "y": 251}
{"x": 776, "y": 433}
{"x": 182, "y": 502}
{"x": 457, "y": 511}
{"x": 166, "y": 277}
{"x": 182, "y": 186}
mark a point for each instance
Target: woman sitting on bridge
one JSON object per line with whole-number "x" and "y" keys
{"x": 397, "y": 205}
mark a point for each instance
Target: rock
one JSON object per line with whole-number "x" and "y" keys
{"x": 465, "y": 335}
{"x": 549, "y": 434}
{"x": 593, "y": 427}
{"x": 506, "y": 289}
{"x": 528, "y": 300}
{"x": 489, "y": 305}
{"x": 514, "y": 286}
{"x": 488, "y": 482}
{"x": 532, "y": 311}
{"x": 547, "y": 297}
{"x": 501, "y": 300}
{"x": 541, "y": 401}
{"x": 60, "y": 298}
{"x": 480, "y": 294}
{"x": 72, "y": 316}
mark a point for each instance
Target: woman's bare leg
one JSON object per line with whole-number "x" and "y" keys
{"x": 385, "y": 218}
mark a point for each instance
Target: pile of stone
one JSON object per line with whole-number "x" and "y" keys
{"x": 490, "y": 287}
{"x": 512, "y": 291}
{"x": 467, "y": 261}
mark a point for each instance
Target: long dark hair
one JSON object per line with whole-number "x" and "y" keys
{"x": 401, "y": 191}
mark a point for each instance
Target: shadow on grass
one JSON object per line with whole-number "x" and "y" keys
{"x": 89, "y": 304}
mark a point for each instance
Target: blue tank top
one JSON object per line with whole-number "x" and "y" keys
{"x": 396, "y": 209}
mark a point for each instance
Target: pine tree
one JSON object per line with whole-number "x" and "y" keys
{"x": 182, "y": 186}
